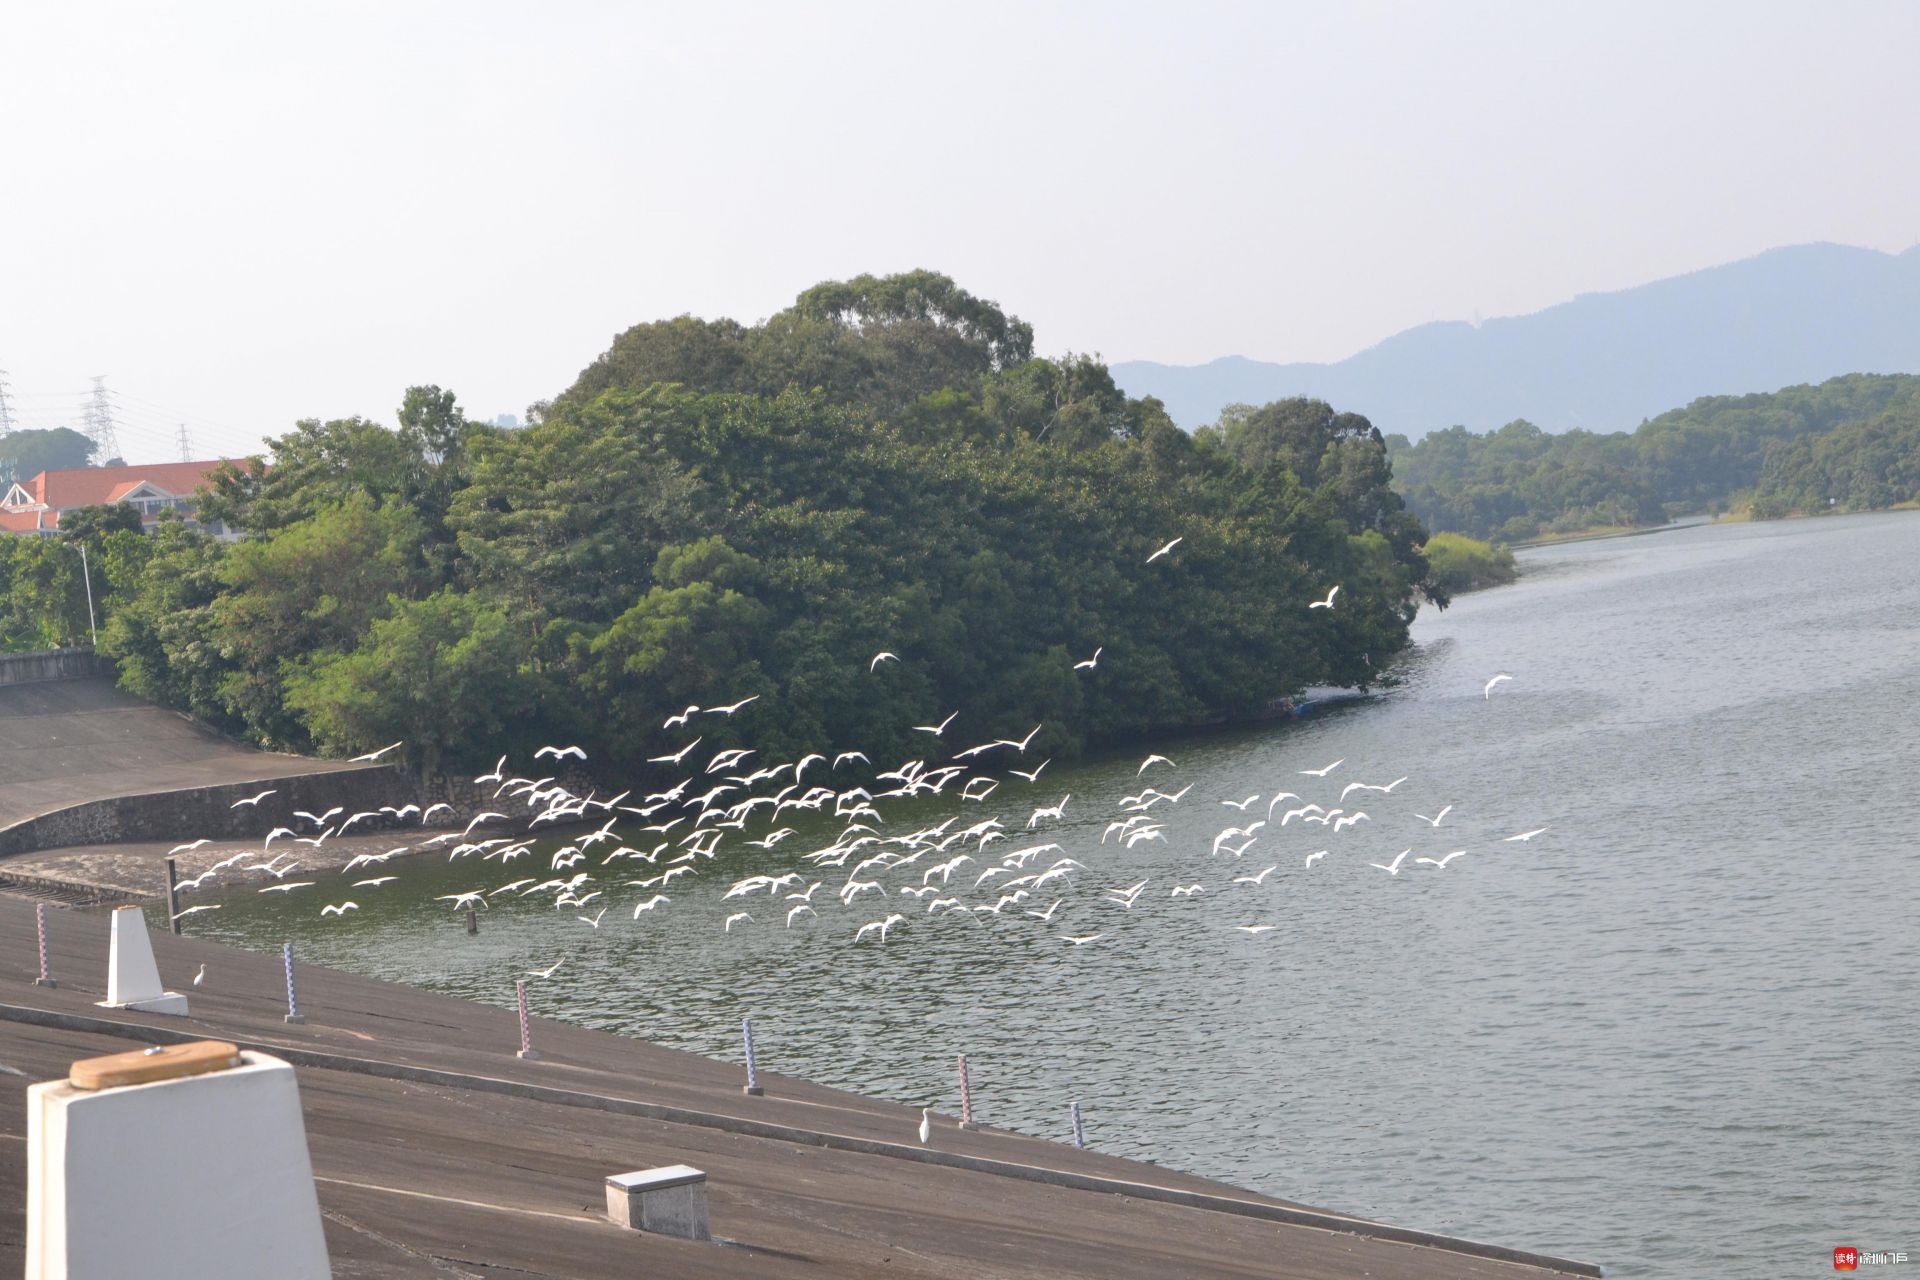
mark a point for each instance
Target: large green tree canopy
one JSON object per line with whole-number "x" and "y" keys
{"x": 880, "y": 344}
{"x": 25, "y": 454}
{"x": 716, "y": 510}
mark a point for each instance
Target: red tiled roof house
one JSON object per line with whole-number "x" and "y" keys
{"x": 35, "y": 505}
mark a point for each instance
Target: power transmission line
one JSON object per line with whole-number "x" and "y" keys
{"x": 186, "y": 449}
{"x": 99, "y": 414}
{"x": 149, "y": 429}
{"x": 6, "y": 429}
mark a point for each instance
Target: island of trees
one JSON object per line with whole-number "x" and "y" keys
{"x": 716, "y": 511}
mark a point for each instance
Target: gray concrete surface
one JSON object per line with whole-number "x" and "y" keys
{"x": 66, "y": 742}
{"x": 437, "y": 1152}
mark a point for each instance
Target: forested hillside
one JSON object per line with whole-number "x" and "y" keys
{"x": 716, "y": 512}
{"x": 1520, "y": 482}
{"x": 1865, "y": 465}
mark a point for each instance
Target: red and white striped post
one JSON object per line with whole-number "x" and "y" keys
{"x": 40, "y": 928}
{"x": 753, "y": 1089}
{"x": 966, "y": 1097}
{"x": 526, "y": 1032}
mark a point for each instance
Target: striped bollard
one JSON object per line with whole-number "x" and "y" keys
{"x": 526, "y": 1031}
{"x": 173, "y": 896}
{"x": 753, "y": 1089}
{"x": 40, "y": 927}
{"x": 1079, "y": 1138}
{"x": 966, "y": 1097}
{"x": 293, "y": 1006}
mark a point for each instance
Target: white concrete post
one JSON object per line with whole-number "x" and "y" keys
{"x": 203, "y": 1177}
{"x": 133, "y": 979}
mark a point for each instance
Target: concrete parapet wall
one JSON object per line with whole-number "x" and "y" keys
{"x": 194, "y": 812}
{"x": 52, "y": 664}
{"x": 190, "y": 813}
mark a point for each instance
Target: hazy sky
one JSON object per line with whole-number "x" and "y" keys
{"x": 247, "y": 214}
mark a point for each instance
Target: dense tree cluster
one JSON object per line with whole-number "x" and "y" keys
{"x": 27, "y": 452}
{"x": 44, "y": 581}
{"x": 1868, "y": 465}
{"x": 716, "y": 511}
{"x": 1519, "y": 482}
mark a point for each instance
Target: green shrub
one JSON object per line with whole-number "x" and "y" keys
{"x": 1460, "y": 563}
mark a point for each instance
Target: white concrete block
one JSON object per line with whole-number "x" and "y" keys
{"x": 201, "y": 1178}
{"x": 671, "y": 1201}
{"x": 133, "y": 979}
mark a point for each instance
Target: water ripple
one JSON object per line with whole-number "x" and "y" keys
{"x": 1682, "y": 1021}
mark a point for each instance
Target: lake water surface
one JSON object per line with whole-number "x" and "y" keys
{"x": 1674, "y": 1034}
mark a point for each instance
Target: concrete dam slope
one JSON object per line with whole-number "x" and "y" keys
{"x": 437, "y": 1151}
{"x": 63, "y": 742}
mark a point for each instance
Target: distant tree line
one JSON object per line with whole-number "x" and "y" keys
{"x": 1867, "y": 465}
{"x": 24, "y": 454}
{"x": 717, "y": 511}
{"x": 1520, "y": 482}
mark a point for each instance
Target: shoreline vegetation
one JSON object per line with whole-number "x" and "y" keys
{"x": 1459, "y": 563}
{"x": 1739, "y": 513}
{"x": 1603, "y": 532}
{"x": 1594, "y": 534}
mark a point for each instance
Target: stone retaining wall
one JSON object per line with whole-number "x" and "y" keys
{"x": 193, "y": 812}
{"x": 51, "y": 664}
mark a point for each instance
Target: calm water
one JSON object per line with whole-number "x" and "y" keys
{"x": 1675, "y": 1034}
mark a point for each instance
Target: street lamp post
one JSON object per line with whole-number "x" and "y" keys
{"x": 86, "y": 573}
{"x": 86, "y": 576}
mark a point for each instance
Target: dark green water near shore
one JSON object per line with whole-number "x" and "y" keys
{"x": 1675, "y": 1033}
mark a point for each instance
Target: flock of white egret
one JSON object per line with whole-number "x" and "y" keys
{"x": 869, "y": 863}
{"x": 878, "y": 878}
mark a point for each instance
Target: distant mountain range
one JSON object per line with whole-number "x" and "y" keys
{"x": 1604, "y": 361}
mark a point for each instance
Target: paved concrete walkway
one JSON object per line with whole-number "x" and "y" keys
{"x": 68, "y": 741}
{"x": 439, "y": 1153}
